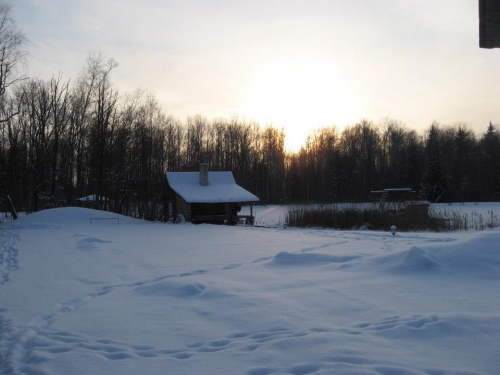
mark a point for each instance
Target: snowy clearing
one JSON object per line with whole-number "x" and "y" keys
{"x": 136, "y": 297}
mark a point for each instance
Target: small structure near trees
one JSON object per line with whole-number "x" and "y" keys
{"x": 207, "y": 197}
{"x": 94, "y": 201}
{"x": 401, "y": 200}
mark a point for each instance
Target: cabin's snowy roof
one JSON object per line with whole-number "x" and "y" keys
{"x": 222, "y": 188}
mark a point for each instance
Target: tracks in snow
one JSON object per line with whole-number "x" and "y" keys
{"x": 8, "y": 263}
{"x": 23, "y": 349}
{"x": 40, "y": 344}
{"x": 8, "y": 254}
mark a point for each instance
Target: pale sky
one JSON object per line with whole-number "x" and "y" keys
{"x": 296, "y": 64}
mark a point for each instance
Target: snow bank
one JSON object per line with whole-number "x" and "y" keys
{"x": 74, "y": 216}
{"x": 476, "y": 257}
{"x": 156, "y": 298}
{"x": 417, "y": 260}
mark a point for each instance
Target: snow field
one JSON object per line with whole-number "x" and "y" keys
{"x": 200, "y": 299}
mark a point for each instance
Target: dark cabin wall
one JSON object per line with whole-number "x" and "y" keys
{"x": 183, "y": 208}
{"x": 214, "y": 209}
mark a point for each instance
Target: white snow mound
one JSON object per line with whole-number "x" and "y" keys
{"x": 74, "y": 216}
{"x": 417, "y": 259}
{"x": 478, "y": 256}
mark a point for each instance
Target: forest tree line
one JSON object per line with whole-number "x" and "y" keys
{"x": 60, "y": 141}
{"x": 69, "y": 141}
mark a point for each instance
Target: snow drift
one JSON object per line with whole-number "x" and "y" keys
{"x": 77, "y": 298}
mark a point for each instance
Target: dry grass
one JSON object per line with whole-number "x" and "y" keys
{"x": 369, "y": 216}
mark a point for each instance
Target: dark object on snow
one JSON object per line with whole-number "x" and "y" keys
{"x": 489, "y": 23}
{"x": 6, "y": 204}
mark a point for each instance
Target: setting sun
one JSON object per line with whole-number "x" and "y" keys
{"x": 299, "y": 100}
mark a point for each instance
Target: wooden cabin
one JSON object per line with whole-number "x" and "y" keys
{"x": 207, "y": 197}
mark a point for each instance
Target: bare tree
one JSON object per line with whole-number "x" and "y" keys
{"x": 103, "y": 112}
{"x": 11, "y": 56}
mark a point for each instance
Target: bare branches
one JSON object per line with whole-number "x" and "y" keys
{"x": 11, "y": 57}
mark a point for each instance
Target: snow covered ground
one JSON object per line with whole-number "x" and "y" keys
{"x": 151, "y": 298}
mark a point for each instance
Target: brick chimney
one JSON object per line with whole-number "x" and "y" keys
{"x": 204, "y": 174}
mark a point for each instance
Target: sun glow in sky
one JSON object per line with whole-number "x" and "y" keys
{"x": 296, "y": 64}
{"x": 298, "y": 99}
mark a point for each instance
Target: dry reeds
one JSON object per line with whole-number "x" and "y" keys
{"x": 356, "y": 216}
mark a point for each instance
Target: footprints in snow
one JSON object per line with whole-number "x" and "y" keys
{"x": 295, "y": 370}
{"x": 8, "y": 254}
{"x": 395, "y": 322}
{"x": 41, "y": 344}
{"x": 193, "y": 273}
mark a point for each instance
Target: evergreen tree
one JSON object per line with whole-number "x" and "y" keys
{"x": 434, "y": 185}
{"x": 490, "y": 164}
